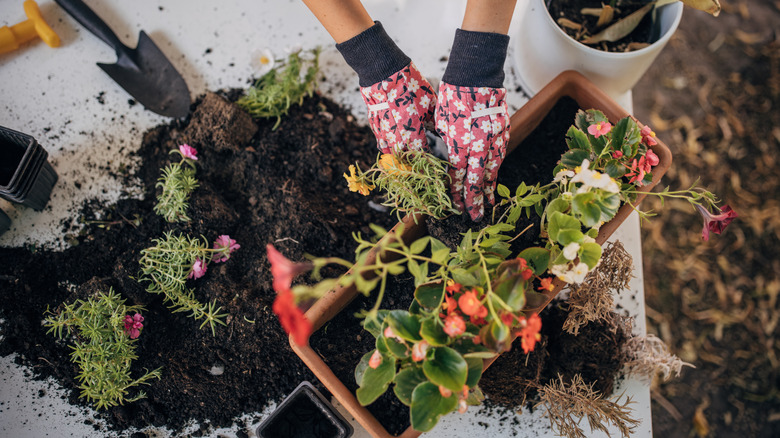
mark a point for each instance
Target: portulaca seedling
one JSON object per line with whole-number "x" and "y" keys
{"x": 177, "y": 183}
{"x": 103, "y": 331}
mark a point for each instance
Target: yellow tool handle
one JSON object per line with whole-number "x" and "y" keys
{"x": 34, "y": 26}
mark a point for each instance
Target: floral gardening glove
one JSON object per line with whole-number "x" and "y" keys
{"x": 474, "y": 123}
{"x": 398, "y": 109}
{"x": 400, "y": 101}
{"x": 472, "y": 117}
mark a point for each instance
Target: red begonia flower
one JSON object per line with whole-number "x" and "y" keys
{"x": 454, "y": 325}
{"x": 469, "y": 303}
{"x": 529, "y": 335}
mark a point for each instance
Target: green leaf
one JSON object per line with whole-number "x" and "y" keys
{"x": 375, "y": 327}
{"x": 619, "y": 134}
{"x": 566, "y": 237}
{"x": 475, "y": 371}
{"x": 559, "y": 221}
{"x": 432, "y": 332}
{"x": 405, "y": 383}
{"x": 397, "y": 349}
{"x": 590, "y": 253}
{"x": 538, "y": 259}
{"x": 503, "y": 191}
{"x": 614, "y": 169}
{"x": 557, "y": 204}
{"x": 379, "y": 231}
{"x": 581, "y": 120}
{"x": 463, "y": 277}
{"x": 584, "y": 207}
{"x": 609, "y": 206}
{"x": 428, "y": 406}
{"x": 419, "y": 245}
{"x": 445, "y": 367}
{"x": 579, "y": 140}
{"x": 573, "y": 157}
{"x": 521, "y": 190}
{"x": 429, "y": 295}
{"x": 375, "y": 381}
{"x": 440, "y": 256}
{"x": 404, "y": 324}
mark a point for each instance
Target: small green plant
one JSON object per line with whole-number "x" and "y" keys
{"x": 172, "y": 260}
{"x": 177, "y": 182}
{"x": 104, "y": 334}
{"x": 287, "y": 84}
{"x": 413, "y": 181}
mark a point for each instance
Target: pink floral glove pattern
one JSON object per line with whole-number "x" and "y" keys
{"x": 398, "y": 108}
{"x": 474, "y": 123}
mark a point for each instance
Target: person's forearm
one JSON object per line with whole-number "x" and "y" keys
{"x": 488, "y": 15}
{"x": 343, "y": 19}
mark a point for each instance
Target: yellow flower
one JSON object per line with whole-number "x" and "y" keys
{"x": 391, "y": 164}
{"x": 356, "y": 185}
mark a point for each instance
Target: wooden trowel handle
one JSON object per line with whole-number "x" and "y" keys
{"x": 87, "y": 17}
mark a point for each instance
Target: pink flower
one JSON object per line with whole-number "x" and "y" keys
{"x": 637, "y": 172}
{"x": 599, "y": 128}
{"x": 225, "y": 245}
{"x": 715, "y": 222}
{"x": 198, "y": 269}
{"x": 188, "y": 151}
{"x": 283, "y": 270}
{"x": 419, "y": 349}
{"x": 648, "y": 136}
{"x": 454, "y": 325}
{"x": 376, "y": 360}
{"x": 445, "y": 392}
{"x": 652, "y": 158}
{"x": 133, "y": 325}
{"x": 617, "y": 154}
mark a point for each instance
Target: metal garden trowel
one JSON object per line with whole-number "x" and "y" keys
{"x": 144, "y": 72}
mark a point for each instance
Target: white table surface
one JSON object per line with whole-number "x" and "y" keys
{"x": 85, "y": 122}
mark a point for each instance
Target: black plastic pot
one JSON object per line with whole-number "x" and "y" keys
{"x": 26, "y": 177}
{"x": 5, "y": 222}
{"x": 305, "y": 413}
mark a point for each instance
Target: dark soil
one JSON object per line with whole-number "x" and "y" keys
{"x": 258, "y": 186}
{"x": 514, "y": 377}
{"x": 570, "y": 9}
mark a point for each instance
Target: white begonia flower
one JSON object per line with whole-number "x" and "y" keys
{"x": 562, "y": 272}
{"x": 589, "y": 239}
{"x": 579, "y": 273}
{"x": 570, "y": 251}
{"x": 612, "y": 186}
{"x": 263, "y": 61}
{"x": 562, "y": 175}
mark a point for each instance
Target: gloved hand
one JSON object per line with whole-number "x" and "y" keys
{"x": 398, "y": 109}
{"x": 474, "y": 123}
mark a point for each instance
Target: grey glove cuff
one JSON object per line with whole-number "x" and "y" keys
{"x": 477, "y": 59}
{"x": 373, "y": 55}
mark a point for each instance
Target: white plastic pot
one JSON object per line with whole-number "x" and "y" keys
{"x": 543, "y": 50}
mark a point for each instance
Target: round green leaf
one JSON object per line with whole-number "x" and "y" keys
{"x": 475, "y": 371}
{"x": 375, "y": 381}
{"x": 428, "y": 406}
{"x": 405, "y": 382}
{"x": 446, "y": 367}
{"x": 404, "y": 324}
{"x": 429, "y": 295}
{"x": 538, "y": 259}
{"x": 590, "y": 253}
{"x": 432, "y": 332}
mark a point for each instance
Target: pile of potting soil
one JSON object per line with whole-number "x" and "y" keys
{"x": 257, "y": 185}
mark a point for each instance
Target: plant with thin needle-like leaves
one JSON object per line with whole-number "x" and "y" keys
{"x": 177, "y": 182}
{"x": 103, "y": 348}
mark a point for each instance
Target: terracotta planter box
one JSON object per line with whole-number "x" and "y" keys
{"x": 524, "y": 121}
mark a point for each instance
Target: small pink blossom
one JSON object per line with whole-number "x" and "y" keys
{"x": 419, "y": 349}
{"x": 133, "y": 325}
{"x": 225, "y": 245}
{"x": 637, "y": 172}
{"x": 652, "y": 158}
{"x": 445, "y": 392}
{"x": 715, "y": 222}
{"x": 376, "y": 360}
{"x": 617, "y": 154}
{"x": 599, "y": 128}
{"x": 648, "y": 136}
{"x": 198, "y": 269}
{"x": 188, "y": 151}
